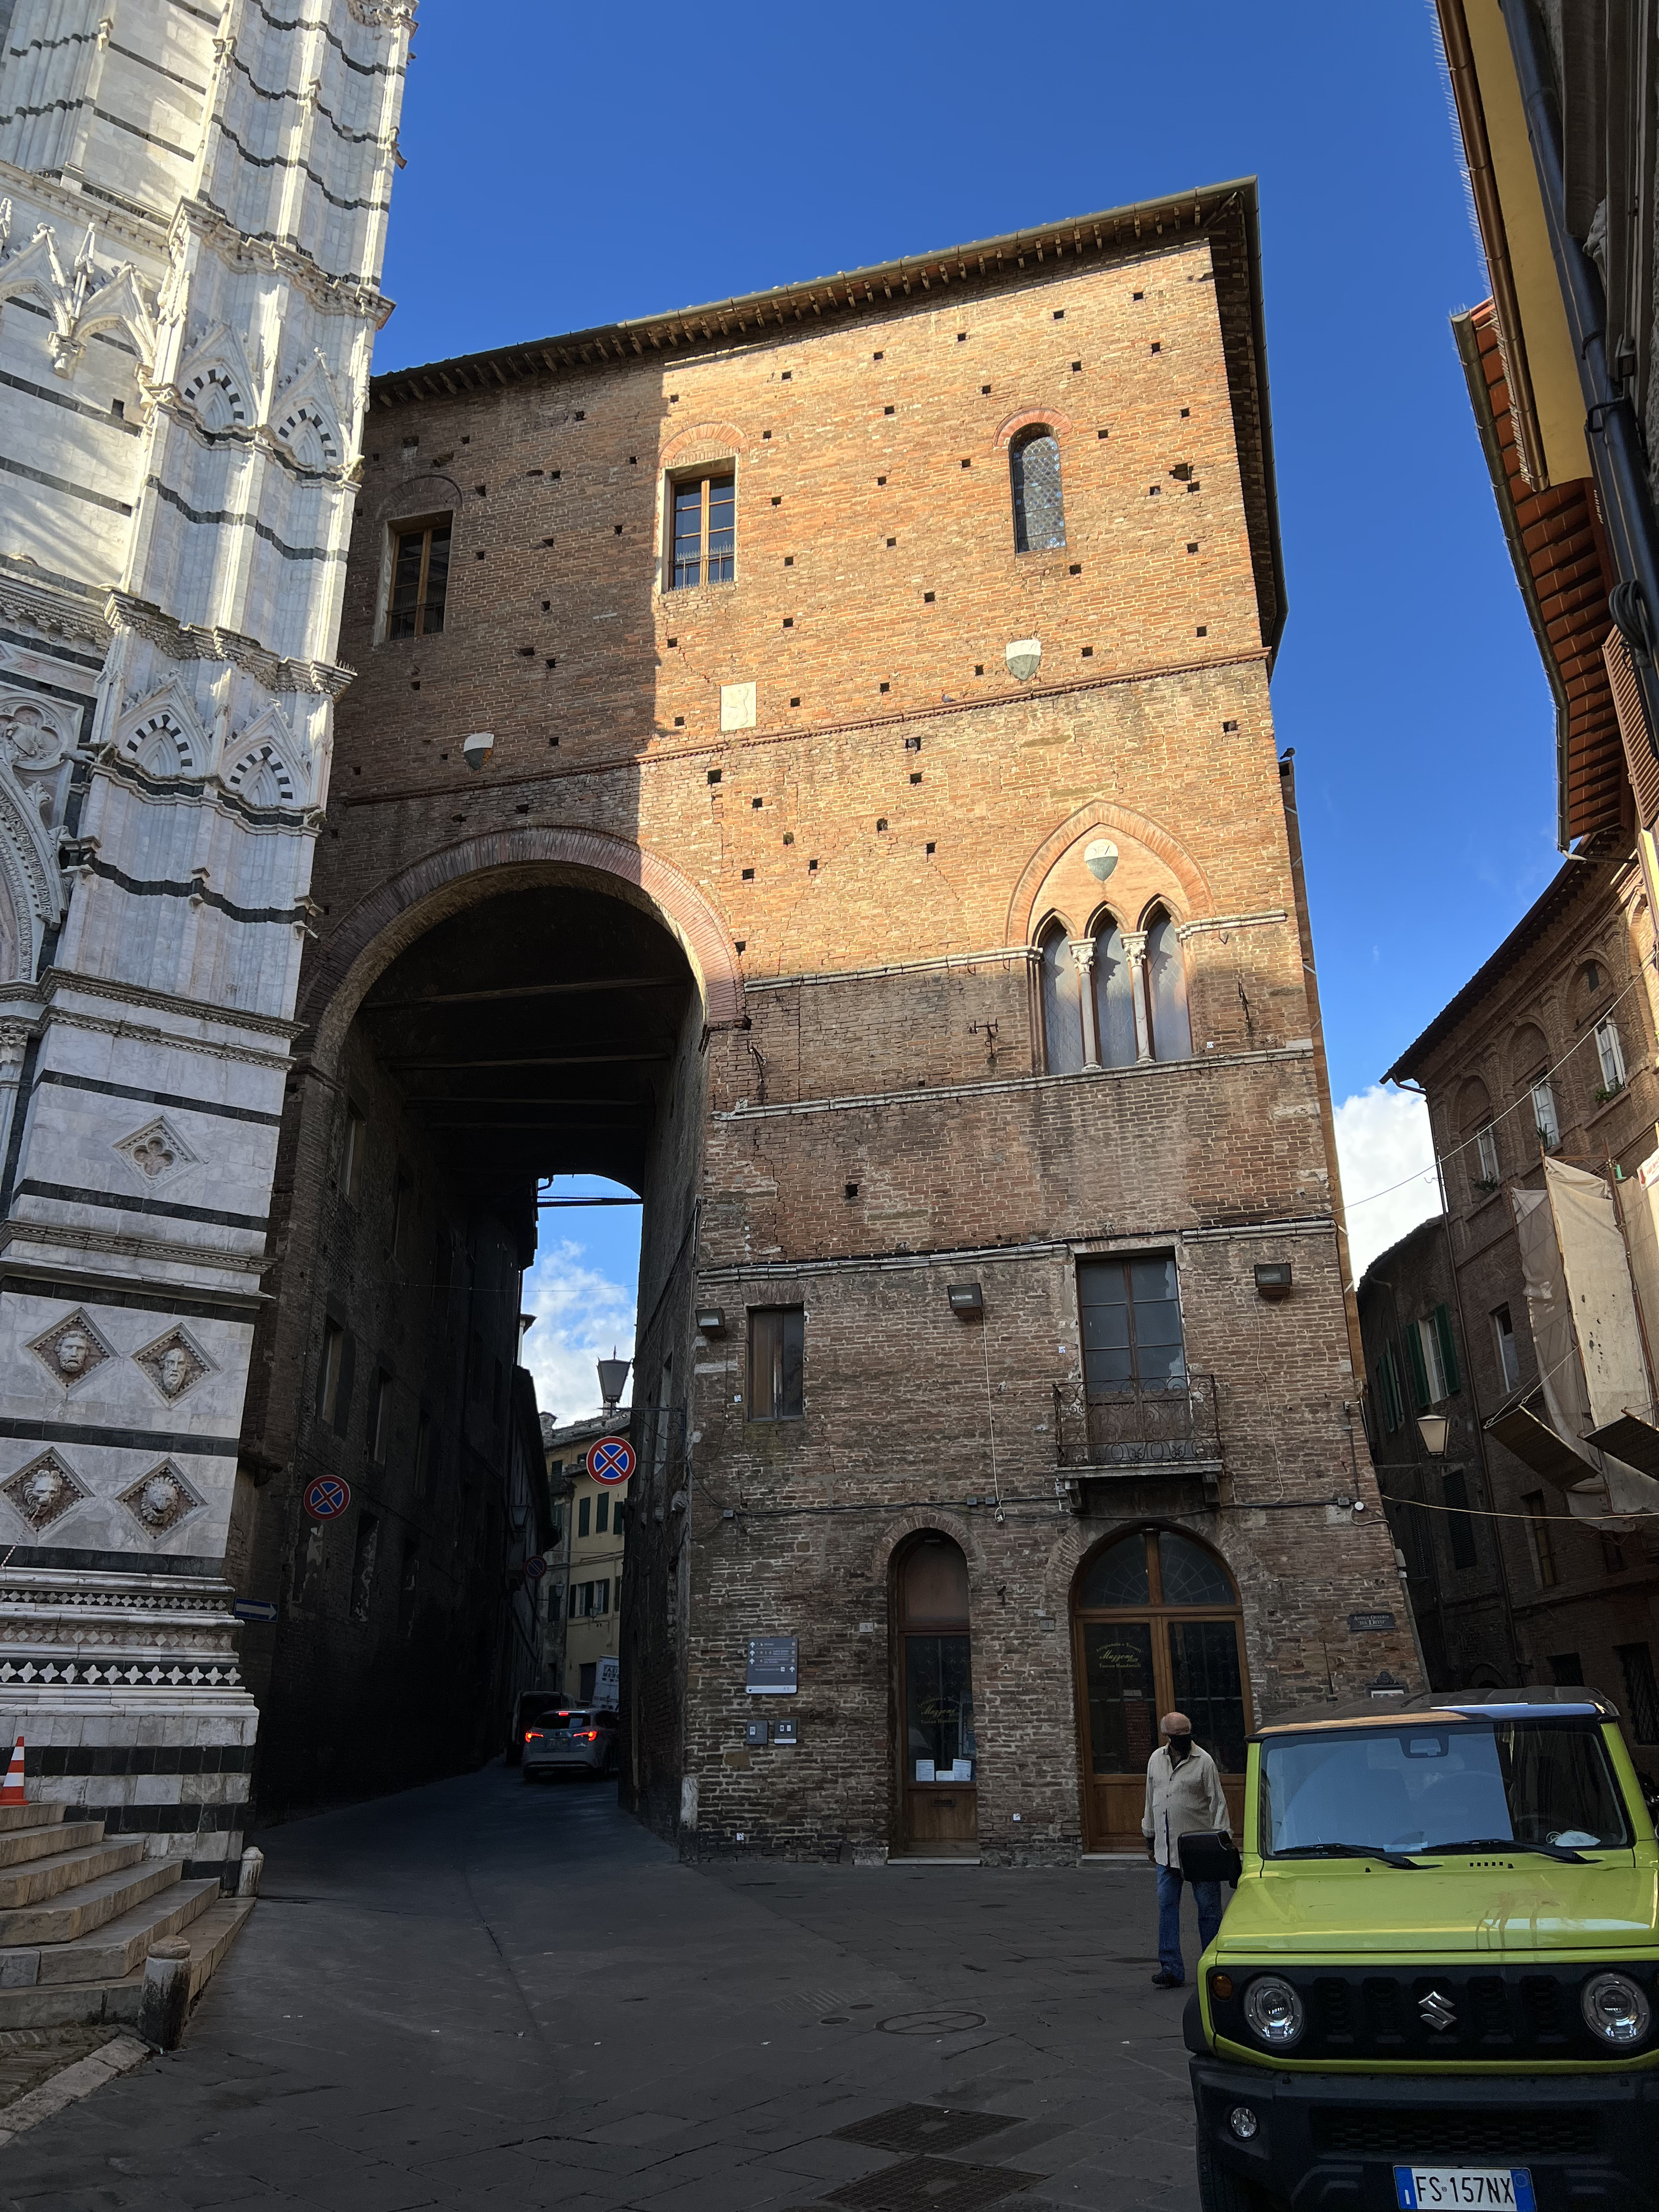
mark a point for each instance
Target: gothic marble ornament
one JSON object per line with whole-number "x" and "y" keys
{"x": 160, "y": 1500}
{"x": 157, "y": 1154}
{"x": 71, "y": 1349}
{"x": 175, "y": 1364}
{"x": 33, "y": 735}
{"x": 44, "y": 1490}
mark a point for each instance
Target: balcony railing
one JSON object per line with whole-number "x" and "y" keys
{"x": 1138, "y": 1430}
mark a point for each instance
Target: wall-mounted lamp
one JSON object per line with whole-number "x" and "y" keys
{"x": 1272, "y": 1280}
{"x": 1433, "y": 1429}
{"x": 966, "y": 1300}
{"x": 711, "y": 1321}
{"x": 613, "y": 1374}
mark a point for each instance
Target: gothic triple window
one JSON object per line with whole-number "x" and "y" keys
{"x": 1116, "y": 996}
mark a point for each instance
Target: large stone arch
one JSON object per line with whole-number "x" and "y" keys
{"x": 404, "y": 907}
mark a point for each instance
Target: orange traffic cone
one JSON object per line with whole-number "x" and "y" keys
{"x": 11, "y": 1792}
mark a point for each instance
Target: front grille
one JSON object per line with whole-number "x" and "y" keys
{"x": 1436, "y": 2016}
{"x": 1444, "y": 2136}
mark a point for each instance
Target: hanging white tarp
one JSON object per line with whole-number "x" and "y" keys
{"x": 1609, "y": 1485}
{"x": 1598, "y": 1290}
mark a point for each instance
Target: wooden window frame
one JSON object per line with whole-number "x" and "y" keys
{"x": 422, "y": 526}
{"x": 775, "y": 1411}
{"x": 706, "y": 475}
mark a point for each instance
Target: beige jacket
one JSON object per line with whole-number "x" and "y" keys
{"x": 1180, "y": 1801}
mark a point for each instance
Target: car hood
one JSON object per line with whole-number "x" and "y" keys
{"x": 1488, "y": 1904}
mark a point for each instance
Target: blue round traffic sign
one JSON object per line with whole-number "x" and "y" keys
{"x": 610, "y": 1459}
{"x": 535, "y": 1567}
{"x": 327, "y": 1497}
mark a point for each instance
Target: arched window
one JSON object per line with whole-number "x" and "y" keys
{"x": 1033, "y": 472}
{"x": 1166, "y": 993}
{"x": 1115, "y": 998}
{"x": 1062, "y": 1003}
{"x": 1157, "y": 1626}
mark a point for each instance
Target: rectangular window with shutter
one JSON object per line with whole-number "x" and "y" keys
{"x": 1415, "y": 1361}
{"x": 1509, "y": 1355}
{"x": 1389, "y": 1401}
{"x": 777, "y": 1341}
{"x": 1544, "y": 1113}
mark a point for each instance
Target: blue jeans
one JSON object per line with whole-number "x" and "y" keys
{"x": 1207, "y": 1895}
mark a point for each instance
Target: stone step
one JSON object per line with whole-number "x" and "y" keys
{"x": 64, "y": 1915}
{"x": 19, "y": 1845}
{"x": 30, "y": 1816}
{"x": 106, "y": 1953}
{"x": 211, "y": 1934}
{"x": 40, "y": 1878}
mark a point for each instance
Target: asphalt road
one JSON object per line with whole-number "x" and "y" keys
{"x": 480, "y": 1994}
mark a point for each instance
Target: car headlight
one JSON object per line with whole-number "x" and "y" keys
{"x": 1616, "y": 2009}
{"x": 1274, "y": 2011}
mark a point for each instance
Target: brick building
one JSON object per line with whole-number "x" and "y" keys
{"x": 1550, "y": 1046}
{"x": 584, "y": 1583}
{"x": 812, "y": 760}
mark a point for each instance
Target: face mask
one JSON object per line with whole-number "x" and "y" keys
{"x": 1179, "y": 1746}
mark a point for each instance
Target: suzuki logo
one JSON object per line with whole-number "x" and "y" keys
{"x": 1438, "y": 2012}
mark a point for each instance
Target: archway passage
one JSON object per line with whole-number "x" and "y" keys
{"x": 933, "y": 1697}
{"x": 544, "y": 1023}
{"x": 533, "y": 1034}
{"x": 1156, "y": 1628}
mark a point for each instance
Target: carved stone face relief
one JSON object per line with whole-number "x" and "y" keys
{"x": 157, "y": 1154}
{"x": 160, "y": 1500}
{"x": 175, "y": 1364}
{"x": 71, "y": 1349}
{"x": 44, "y": 1490}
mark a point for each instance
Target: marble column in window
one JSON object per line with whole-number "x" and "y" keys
{"x": 1083, "y": 952}
{"x": 1135, "y": 949}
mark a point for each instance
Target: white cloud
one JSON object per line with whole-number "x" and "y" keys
{"x": 581, "y": 1317}
{"x": 1387, "y": 1157}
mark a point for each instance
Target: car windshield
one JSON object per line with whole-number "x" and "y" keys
{"x": 1440, "y": 1786}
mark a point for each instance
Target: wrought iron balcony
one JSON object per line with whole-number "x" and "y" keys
{"x": 1139, "y": 1430}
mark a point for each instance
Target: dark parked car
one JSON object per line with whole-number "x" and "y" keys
{"x": 534, "y": 1705}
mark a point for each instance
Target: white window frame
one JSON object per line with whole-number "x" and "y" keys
{"x": 1434, "y": 1367}
{"x": 1546, "y": 1119}
{"x": 1485, "y": 1148}
{"x": 1611, "y": 1053}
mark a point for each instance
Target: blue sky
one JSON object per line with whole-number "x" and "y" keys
{"x": 570, "y": 166}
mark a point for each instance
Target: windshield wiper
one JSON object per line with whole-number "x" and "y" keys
{"x": 1562, "y": 1851}
{"x": 1348, "y": 1851}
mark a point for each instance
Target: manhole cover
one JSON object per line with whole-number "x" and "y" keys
{"x": 924, "y": 2127}
{"x": 946, "y": 2021}
{"x": 932, "y": 2185}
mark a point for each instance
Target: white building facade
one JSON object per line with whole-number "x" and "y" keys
{"x": 195, "y": 204}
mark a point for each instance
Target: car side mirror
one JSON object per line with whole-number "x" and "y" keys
{"x": 1208, "y": 1855}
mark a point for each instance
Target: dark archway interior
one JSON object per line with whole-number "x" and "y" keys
{"x": 533, "y": 1034}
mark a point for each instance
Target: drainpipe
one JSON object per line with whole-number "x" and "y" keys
{"x": 1614, "y": 435}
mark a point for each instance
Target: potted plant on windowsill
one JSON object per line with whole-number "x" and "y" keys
{"x": 1608, "y": 1091}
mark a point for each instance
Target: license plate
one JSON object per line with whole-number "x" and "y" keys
{"x": 1438, "y": 2188}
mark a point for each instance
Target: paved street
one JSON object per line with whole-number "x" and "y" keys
{"x": 481, "y": 1993}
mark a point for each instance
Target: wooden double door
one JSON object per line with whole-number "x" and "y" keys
{"x": 1156, "y": 1628}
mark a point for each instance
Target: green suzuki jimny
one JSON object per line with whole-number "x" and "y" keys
{"x": 1438, "y": 1982}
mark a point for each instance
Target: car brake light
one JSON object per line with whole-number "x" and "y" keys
{"x": 532, "y": 1736}
{"x": 588, "y": 1735}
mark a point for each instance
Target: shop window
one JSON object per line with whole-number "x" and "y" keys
{"x": 704, "y": 530}
{"x": 1034, "y": 477}
{"x": 1132, "y": 1336}
{"x": 777, "y": 1336}
{"x": 419, "y": 578}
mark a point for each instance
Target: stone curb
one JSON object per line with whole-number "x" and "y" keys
{"x": 75, "y": 2082}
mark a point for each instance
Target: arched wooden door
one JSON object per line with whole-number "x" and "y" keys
{"x": 939, "y": 1805}
{"x": 1156, "y": 1628}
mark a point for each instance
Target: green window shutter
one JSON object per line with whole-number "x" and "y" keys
{"x": 1419, "y": 1372}
{"x": 1443, "y": 1329}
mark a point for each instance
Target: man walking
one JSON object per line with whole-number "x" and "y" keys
{"x": 1184, "y": 1795}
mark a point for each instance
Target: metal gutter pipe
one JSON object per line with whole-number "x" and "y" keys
{"x": 1617, "y": 460}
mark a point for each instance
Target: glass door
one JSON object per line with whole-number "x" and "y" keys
{"x": 938, "y": 1799}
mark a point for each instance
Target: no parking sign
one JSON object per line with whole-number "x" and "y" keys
{"x": 327, "y": 1498}
{"x": 610, "y": 1459}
